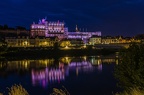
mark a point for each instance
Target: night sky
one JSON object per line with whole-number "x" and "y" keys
{"x": 111, "y": 17}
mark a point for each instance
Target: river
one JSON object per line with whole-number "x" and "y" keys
{"x": 81, "y": 75}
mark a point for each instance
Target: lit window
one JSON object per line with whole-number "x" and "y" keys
{"x": 32, "y": 26}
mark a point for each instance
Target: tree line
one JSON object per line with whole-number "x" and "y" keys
{"x": 6, "y": 27}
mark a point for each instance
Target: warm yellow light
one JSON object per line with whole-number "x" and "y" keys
{"x": 26, "y": 42}
{"x": 84, "y": 46}
{"x": 85, "y": 57}
{"x": 66, "y": 47}
{"x": 45, "y": 43}
{"x": 116, "y": 61}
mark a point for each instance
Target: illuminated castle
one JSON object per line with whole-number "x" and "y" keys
{"x": 48, "y": 29}
{"x": 52, "y": 29}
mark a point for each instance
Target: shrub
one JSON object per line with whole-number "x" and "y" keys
{"x": 60, "y": 91}
{"x": 17, "y": 90}
{"x": 130, "y": 70}
{"x": 132, "y": 91}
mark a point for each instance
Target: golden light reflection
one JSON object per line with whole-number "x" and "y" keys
{"x": 27, "y": 64}
{"x": 96, "y": 61}
{"x": 99, "y": 61}
{"x": 65, "y": 60}
{"x": 117, "y": 61}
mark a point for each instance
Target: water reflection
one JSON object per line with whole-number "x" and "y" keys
{"x": 45, "y": 76}
{"x": 47, "y": 71}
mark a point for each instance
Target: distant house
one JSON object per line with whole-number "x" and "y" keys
{"x": 76, "y": 42}
{"x": 45, "y": 41}
{"x": 95, "y": 40}
{"x": 64, "y": 43}
{"x": 110, "y": 40}
{"x": 24, "y": 41}
{"x": 10, "y": 39}
{"x": 2, "y": 42}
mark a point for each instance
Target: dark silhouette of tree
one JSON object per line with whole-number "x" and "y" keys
{"x": 1, "y": 27}
{"x": 20, "y": 28}
{"x": 130, "y": 70}
{"x": 56, "y": 45}
{"x": 5, "y": 26}
{"x": 11, "y": 28}
{"x": 139, "y": 36}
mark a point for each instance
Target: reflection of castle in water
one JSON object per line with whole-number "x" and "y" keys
{"x": 46, "y": 71}
{"x": 45, "y": 76}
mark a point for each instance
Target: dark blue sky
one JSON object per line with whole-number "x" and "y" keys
{"x": 111, "y": 17}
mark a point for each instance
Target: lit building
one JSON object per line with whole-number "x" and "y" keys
{"x": 51, "y": 29}
{"x": 82, "y": 35}
{"x": 45, "y": 42}
{"x": 48, "y": 29}
{"x": 17, "y": 40}
{"x": 110, "y": 40}
{"x": 64, "y": 43}
{"x": 31, "y": 42}
{"x": 46, "y": 33}
{"x": 95, "y": 40}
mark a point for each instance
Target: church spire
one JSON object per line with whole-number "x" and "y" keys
{"x": 77, "y": 29}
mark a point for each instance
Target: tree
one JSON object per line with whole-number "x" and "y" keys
{"x": 139, "y": 36}
{"x": 20, "y": 28}
{"x": 1, "y": 27}
{"x": 5, "y": 26}
{"x": 17, "y": 90}
{"x": 56, "y": 45}
{"x": 130, "y": 70}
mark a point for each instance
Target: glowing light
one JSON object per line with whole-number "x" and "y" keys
{"x": 66, "y": 47}
{"x": 84, "y": 46}
{"x": 117, "y": 61}
{"x": 85, "y": 57}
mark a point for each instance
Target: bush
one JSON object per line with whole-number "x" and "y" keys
{"x": 60, "y": 91}
{"x": 132, "y": 91}
{"x": 130, "y": 70}
{"x": 17, "y": 90}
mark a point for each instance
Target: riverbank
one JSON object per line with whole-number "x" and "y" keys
{"x": 47, "y": 52}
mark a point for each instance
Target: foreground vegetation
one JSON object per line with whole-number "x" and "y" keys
{"x": 130, "y": 70}
{"x": 17, "y": 90}
{"x": 132, "y": 91}
{"x": 60, "y": 91}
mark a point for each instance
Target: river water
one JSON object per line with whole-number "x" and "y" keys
{"x": 81, "y": 75}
